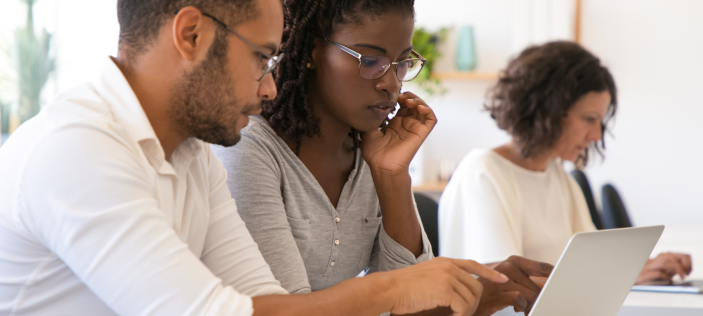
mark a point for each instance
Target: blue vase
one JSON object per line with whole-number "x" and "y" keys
{"x": 466, "y": 49}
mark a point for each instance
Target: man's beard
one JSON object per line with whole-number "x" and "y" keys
{"x": 203, "y": 104}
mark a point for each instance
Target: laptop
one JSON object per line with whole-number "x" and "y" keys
{"x": 596, "y": 272}
{"x": 688, "y": 287}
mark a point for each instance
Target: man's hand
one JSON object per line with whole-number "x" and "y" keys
{"x": 441, "y": 282}
{"x": 441, "y": 286}
{"x": 664, "y": 267}
{"x": 520, "y": 292}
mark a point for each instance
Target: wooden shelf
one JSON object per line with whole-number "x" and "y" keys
{"x": 430, "y": 187}
{"x": 469, "y": 75}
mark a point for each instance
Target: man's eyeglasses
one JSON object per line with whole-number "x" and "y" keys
{"x": 373, "y": 67}
{"x": 271, "y": 61}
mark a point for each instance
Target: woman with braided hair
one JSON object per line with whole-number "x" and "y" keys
{"x": 321, "y": 178}
{"x": 323, "y": 191}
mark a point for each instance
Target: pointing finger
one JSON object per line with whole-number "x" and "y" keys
{"x": 531, "y": 267}
{"x": 476, "y": 268}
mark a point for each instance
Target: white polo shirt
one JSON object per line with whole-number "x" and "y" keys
{"x": 94, "y": 220}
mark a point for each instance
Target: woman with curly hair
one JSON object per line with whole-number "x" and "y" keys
{"x": 321, "y": 178}
{"x": 555, "y": 100}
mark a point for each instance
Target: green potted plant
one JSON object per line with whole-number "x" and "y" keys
{"x": 4, "y": 117}
{"x": 426, "y": 44}
{"x": 35, "y": 64}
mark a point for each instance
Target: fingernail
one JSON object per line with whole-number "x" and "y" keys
{"x": 521, "y": 303}
{"x": 505, "y": 277}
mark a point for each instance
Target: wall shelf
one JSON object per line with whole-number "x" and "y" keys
{"x": 468, "y": 75}
{"x": 430, "y": 187}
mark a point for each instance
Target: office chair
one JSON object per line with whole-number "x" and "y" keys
{"x": 614, "y": 212}
{"x": 581, "y": 179}
{"x": 427, "y": 208}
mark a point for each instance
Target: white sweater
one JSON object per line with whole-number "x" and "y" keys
{"x": 493, "y": 208}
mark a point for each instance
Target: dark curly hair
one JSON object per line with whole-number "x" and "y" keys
{"x": 291, "y": 113}
{"x": 537, "y": 89}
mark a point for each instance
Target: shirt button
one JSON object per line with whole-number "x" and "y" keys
{"x": 332, "y": 263}
{"x": 366, "y": 220}
{"x": 336, "y": 242}
{"x": 336, "y": 219}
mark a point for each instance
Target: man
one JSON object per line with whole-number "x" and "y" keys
{"x": 111, "y": 203}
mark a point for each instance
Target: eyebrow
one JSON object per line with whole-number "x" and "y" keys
{"x": 380, "y": 49}
{"x": 596, "y": 113}
{"x": 271, "y": 47}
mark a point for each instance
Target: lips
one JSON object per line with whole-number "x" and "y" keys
{"x": 382, "y": 109}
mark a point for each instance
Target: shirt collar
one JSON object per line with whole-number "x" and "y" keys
{"x": 113, "y": 88}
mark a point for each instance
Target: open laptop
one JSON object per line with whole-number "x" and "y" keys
{"x": 596, "y": 271}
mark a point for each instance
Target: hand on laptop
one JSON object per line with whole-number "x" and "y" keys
{"x": 441, "y": 282}
{"x": 664, "y": 267}
{"x": 430, "y": 286}
{"x": 521, "y": 291}
{"x": 540, "y": 281}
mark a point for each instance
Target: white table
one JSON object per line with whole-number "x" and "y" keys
{"x": 676, "y": 238}
{"x": 662, "y": 304}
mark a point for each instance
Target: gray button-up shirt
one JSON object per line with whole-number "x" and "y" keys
{"x": 308, "y": 243}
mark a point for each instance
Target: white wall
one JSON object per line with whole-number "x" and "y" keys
{"x": 462, "y": 123}
{"x": 86, "y": 34}
{"x": 653, "y": 49}
{"x": 492, "y": 23}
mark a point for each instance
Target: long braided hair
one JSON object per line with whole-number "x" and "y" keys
{"x": 291, "y": 113}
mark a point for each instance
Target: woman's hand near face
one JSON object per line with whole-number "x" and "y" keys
{"x": 389, "y": 156}
{"x": 391, "y": 153}
{"x": 664, "y": 267}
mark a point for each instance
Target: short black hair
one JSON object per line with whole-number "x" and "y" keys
{"x": 290, "y": 113}
{"x": 141, "y": 20}
{"x": 539, "y": 86}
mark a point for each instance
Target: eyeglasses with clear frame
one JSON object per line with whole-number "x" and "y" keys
{"x": 271, "y": 61}
{"x": 374, "y": 67}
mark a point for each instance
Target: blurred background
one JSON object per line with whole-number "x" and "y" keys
{"x": 652, "y": 47}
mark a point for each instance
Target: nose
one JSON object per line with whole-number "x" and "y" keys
{"x": 597, "y": 132}
{"x": 267, "y": 88}
{"x": 389, "y": 82}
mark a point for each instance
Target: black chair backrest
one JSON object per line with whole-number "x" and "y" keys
{"x": 588, "y": 194}
{"x": 427, "y": 208}
{"x": 614, "y": 212}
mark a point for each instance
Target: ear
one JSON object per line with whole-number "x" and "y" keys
{"x": 317, "y": 52}
{"x": 190, "y": 33}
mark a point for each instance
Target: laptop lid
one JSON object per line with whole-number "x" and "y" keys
{"x": 596, "y": 271}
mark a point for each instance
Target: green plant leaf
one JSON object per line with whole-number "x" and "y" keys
{"x": 35, "y": 65}
{"x": 426, "y": 44}
{"x": 4, "y": 117}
